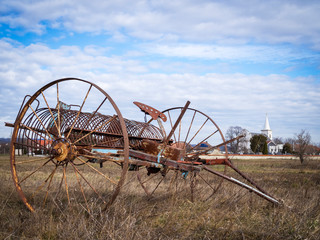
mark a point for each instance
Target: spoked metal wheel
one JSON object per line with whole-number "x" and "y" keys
{"x": 60, "y": 127}
{"x": 200, "y": 139}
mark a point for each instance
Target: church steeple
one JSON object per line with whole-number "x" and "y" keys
{"x": 267, "y": 130}
{"x": 266, "y": 124}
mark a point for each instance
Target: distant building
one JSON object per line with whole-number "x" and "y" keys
{"x": 273, "y": 148}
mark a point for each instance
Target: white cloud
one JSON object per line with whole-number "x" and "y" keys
{"x": 232, "y": 99}
{"x": 273, "y": 21}
{"x": 275, "y": 54}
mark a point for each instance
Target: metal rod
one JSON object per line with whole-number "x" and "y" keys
{"x": 176, "y": 123}
{"x": 256, "y": 191}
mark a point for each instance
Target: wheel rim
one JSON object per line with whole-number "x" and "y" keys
{"x": 65, "y": 137}
{"x": 195, "y": 128}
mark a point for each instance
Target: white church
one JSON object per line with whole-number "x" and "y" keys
{"x": 273, "y": 148}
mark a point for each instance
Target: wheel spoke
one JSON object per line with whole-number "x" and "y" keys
{"x": 81, "y": 188}
{"x": 75, "y": 120}
{"x": 60, "y": 185}
{"x": 204, "y": 140}
{"x": 41, "y": 186}
{"x": 106, "y": 177}
{"x": 58, "y": 106}
{"x": 180, "y": 123}
{"x": 55, "y": 123}
{"x": 37, "y": 169}
{"x": 66, "y": 183}
{"x": 78, "y": 171}
{"x": 49, "y": 186}
{"x": 198, "y": 131}
{"x": 172, "y": 127}
{"x": 194, "y": 114}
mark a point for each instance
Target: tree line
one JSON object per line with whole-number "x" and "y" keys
{"x": 300, "y": 145}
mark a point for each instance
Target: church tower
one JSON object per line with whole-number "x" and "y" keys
{"x": 267, "y": 131}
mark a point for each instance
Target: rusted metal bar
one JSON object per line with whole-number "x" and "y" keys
{"x": 165, "y": 142}
{"x": 233, "y": 180}
{"x": 179, "y": 165}
{"x": 230, "y": 164}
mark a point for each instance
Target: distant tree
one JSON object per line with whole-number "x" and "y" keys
{"x": 290, "y": 141}
{"x": 313, "y": 149}
{"x": 257, "y": 143}
{"x": 302, "y": 142}
{"x": 287, "y": 148}
{"x": 277, "y": 140}
{"x": 265, "y": 148}
{"x": 237, "y": 145}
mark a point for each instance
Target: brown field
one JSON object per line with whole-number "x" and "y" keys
{"x": 232, "y": 213}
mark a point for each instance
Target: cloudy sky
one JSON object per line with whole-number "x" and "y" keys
{"x": 234, "y": 60}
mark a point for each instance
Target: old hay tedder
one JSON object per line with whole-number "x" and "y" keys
{"x": 86, "y": 152}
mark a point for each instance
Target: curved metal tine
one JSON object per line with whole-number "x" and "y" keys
{"x": 78, "y": 171}
{"x": 142, "y": 185}
{"x": 105, "y": 123}
{"x": 38, "y": 168}
{"x": 66, "y": 183}
{"x": 55, "y": 123}
{"x": 94, "y": 113}
{"x": 174, "y": 181}
{"x": 41, "y": 122}
{"x": 106, "y": 177}
{"x": 84, "y": 100}
{"x": 198, "y": 131}
{"x": 81, "y": 188}
{"x": 214, "y": 189}
{"x": 158, "y": 185}
{"x": 185, "y": 140}
{"x": 58, "y": 106}
{"x": 174, "y": 135}
{"x": 173, "y": 178}
{"x": 204, "y": 140}
{"x": 107, "y": 141}
{"x": 49, "y": 185}
{"x": 192, "y": 185}
{"x": 128, "y": 181}
{"x": 148, "y": 179}
{"x": 25, "y": 126}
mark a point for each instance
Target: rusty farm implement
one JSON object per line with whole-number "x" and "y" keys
{"x": 88, "y": 153}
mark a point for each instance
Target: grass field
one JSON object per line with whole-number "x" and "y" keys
{"x": 232, "y": 213}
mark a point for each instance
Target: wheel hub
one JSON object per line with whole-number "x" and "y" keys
{"x": 63, "y": 151}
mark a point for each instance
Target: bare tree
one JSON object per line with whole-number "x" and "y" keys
{"x": 277, "y": 140}
{"x": 239, "y": 144}
{"x": 302, "y": 142}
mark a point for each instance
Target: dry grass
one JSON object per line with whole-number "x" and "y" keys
{"x": 233, "y": 213}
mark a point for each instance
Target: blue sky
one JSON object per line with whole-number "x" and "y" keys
{"x": 234, "y": 60}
